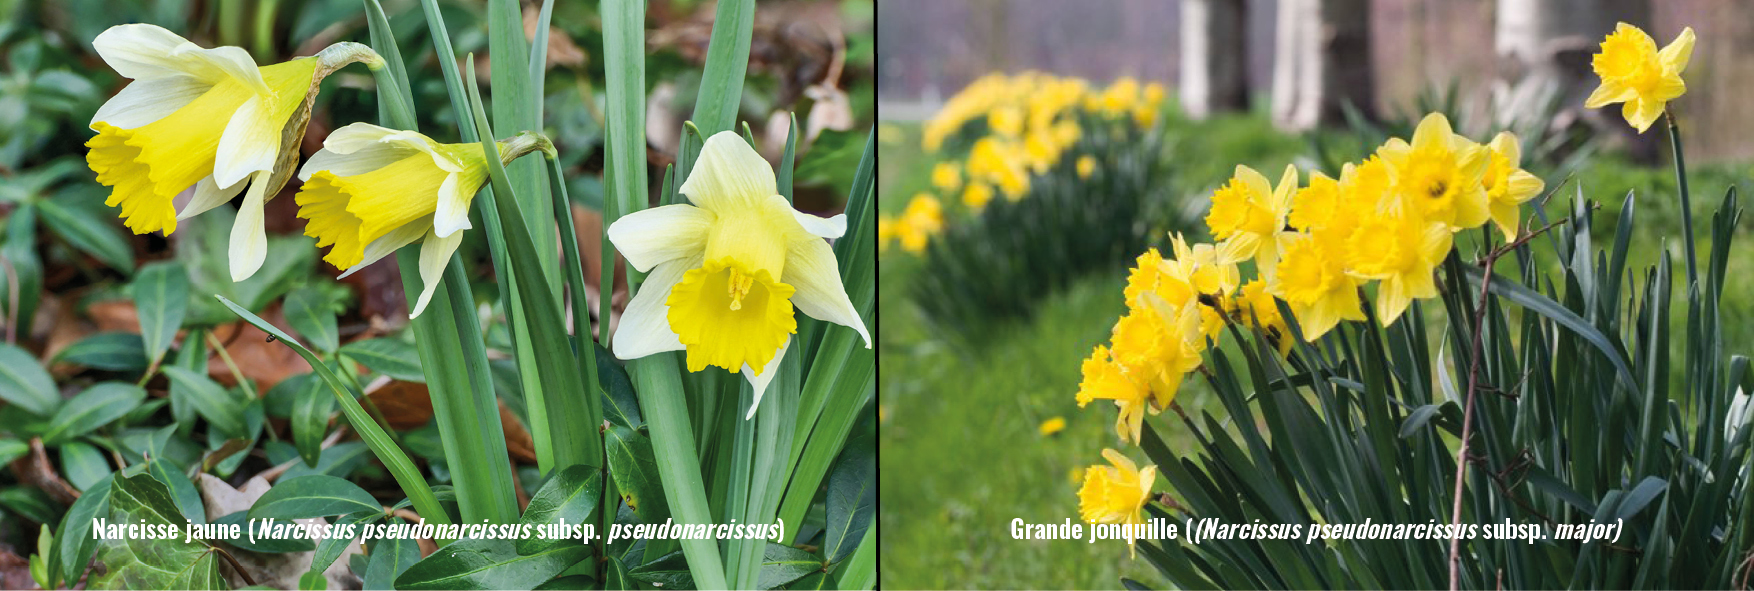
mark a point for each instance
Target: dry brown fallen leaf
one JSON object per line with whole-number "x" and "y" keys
{"x": 263, "y": 362}
{"x": 35, "y": 470}
{"x": 15, "y": 571}
{"x": 408, "y": 405}
{"x": 280, "y": 571}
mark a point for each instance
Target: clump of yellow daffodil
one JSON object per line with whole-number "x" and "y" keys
{"x": 1636, "y": 73}
{"x": 923, "y": 217}
{"x": 1116, "y": 493}
{"x": 1385, "y": 224}
{"x": 1019, "y": 128}
{"x": 210, "y": 119}
{"x": 728, "y": 268}
{"x": 371, "y": 191}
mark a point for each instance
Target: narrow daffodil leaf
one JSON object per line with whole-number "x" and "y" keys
{"x": 407, "y": 475}
{"x": 556, "y": 368}
{"x": 727, "y": 60}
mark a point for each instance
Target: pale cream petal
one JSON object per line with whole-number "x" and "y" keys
{"x": 360, "y": 162}
{"x": 356, "y": 136}
{"x": 758, "y": 382}
{"x": 645, "y": 325}
{"x": 661, "y": 234}
{"x": 251, "y": 142}
{"x": 435, "y": 254}
{"x": 249, "y": 241}
{"x": 729, "y": 174}
{"x": 815, "y": 274}
{"x": 831, "y": 227}
{"x": 208, "y": 195}
{"x": 142, "y": 52}
{"x": 148, "y": 100}
{"x": 452, "y": 215}
{"x": 390, "y": 242}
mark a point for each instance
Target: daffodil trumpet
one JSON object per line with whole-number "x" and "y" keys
{"x": 209, "y": 120}
{"x": 372, "y": 190}
{"x": 726, "y": 269}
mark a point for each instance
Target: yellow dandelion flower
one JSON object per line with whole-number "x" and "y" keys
{"x": 727, "y": 270}
{"x": 1116, "y": 493}
{"x": 1248, "y": 212}
{"x": 1508, "y": 186}
{"x": 885, "y": 232}
{"x": 1438, "y": 175}
{"x": 1634, "y": 72}
{"x": 1052, "y": 426}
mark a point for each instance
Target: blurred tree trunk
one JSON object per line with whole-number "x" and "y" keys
{"x": 1322, "y": 62}
{"x": 1214, "y": 59}
{"x": 1545, "y": 48}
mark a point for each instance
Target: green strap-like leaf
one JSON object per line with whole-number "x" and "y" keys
{"x": 412, "y": 482}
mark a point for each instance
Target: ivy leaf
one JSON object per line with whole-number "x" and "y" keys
{"x": 145, "y": 563}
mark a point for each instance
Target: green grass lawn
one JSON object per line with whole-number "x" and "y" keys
{"x": 962, "y": 456}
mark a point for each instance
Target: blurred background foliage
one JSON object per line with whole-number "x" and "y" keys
{"x": 68, "y": 301}
{"x": 946, "y": 524}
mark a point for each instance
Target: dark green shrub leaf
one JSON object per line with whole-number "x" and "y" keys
{"x": 781, "y": 564}
{"x": 315, "y": 495}
{"x": 95, "y": 407}
{"x": 161, "y": 296}
{"x": 211, "y": 400}
{"x": 852, "y": 499}
{"x": 572, "y": 496}
{"x": 636, "y": 473}
{"x": 114, "y": 351}
{"x": 25, "y": 383}
{"x": 488, "y": 564}
{"x": 88, "y": 232}
{"x": 390, "y": 357}
{"x": 312, "y": 316}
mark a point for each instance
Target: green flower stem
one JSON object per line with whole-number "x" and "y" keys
{"x": 657, "y": 380}
{"x": 1686, "y": 199}
{"x": 448, "y": 336}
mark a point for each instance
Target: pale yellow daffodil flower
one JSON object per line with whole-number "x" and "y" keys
{"x": 727, "y": 269}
